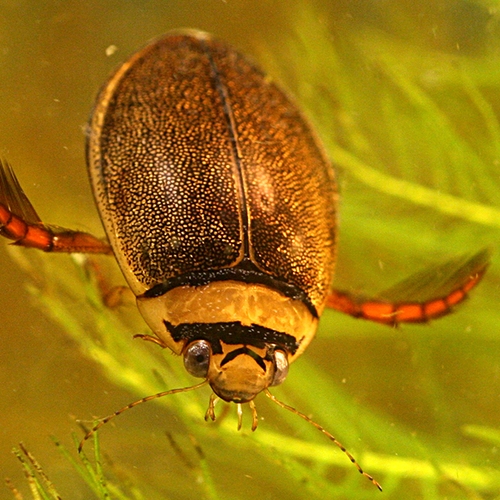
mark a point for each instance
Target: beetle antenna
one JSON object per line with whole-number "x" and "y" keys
{"x": 327, "y": 434}
{"x": 105, "y": 420}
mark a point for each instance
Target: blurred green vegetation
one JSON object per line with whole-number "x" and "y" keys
{"x": 406, "y": 99}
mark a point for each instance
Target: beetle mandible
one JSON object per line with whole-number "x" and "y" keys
{"x": 219, "y": 204}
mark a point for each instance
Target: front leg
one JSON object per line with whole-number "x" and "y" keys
{"x": 151, "y": 338}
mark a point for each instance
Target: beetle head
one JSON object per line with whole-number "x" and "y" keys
{"x": 240, "y": 371}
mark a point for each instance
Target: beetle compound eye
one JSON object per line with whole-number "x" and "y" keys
{"x": 197, "y": 358}
{"x": 280, "y": 367}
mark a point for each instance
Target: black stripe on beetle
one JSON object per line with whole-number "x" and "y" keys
{"x": 248, "y": 352}
{"x": 245, "y": 272}
{"x": 231, "y": 333}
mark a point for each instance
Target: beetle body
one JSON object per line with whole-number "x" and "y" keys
{"x": 219, "y": 205}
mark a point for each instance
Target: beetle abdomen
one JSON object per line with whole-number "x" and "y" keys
{"x": 200, "y": 164}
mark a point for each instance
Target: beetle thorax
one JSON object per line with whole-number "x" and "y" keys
{"x": 181, "y": 314}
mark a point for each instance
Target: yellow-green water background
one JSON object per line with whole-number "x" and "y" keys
{"x": 383, "y": 80}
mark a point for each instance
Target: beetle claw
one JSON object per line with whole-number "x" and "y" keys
{"x": 210, "y": 414}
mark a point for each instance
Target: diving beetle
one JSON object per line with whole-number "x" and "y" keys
{"x": 219, "y": 204}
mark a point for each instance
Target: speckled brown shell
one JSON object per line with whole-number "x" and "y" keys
{"x": 200, "y": 163}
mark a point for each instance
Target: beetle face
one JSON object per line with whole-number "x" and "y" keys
{"x": 239, "y": 372}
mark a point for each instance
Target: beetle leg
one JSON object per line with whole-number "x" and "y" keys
{"x": 210, "y": 414}
{"x": 20, "y": 222}
{"x": 151, "y": 338}
{"x": 239, "y": 411}
{"x": 113, "y": 296}
{"x": 425, "y": 296}
{"x": 386, "y": 312}
{"x": 119, "y": 295}
{"x": 255, "y": 418}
